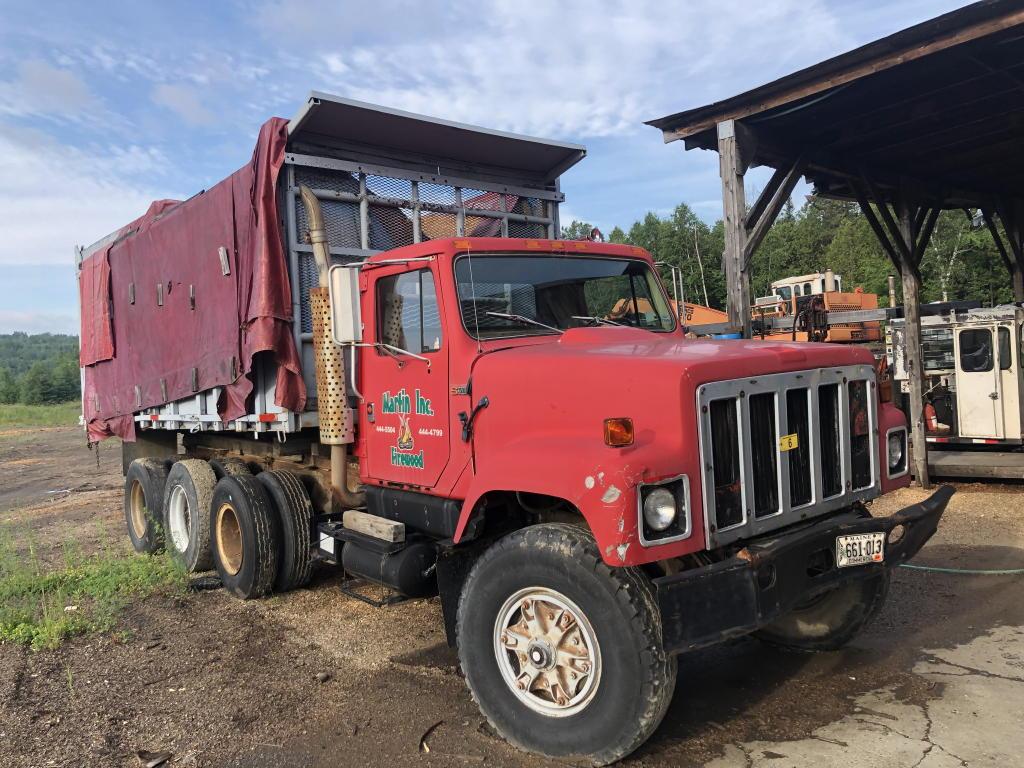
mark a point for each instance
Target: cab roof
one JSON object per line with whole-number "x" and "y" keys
{"x": 451, "y": 247}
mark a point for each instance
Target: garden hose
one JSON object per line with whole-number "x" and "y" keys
{"x": 966, "y": 571}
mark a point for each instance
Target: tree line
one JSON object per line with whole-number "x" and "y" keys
{"x": 961, "y": 261}
{"x": 38, "y": 368}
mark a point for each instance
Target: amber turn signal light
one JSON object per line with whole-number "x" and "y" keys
{"x": 885, "y": 391}
{"x": 618, "y": 433}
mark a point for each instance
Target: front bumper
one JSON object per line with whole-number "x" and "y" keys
{"x": 774, "y": 574}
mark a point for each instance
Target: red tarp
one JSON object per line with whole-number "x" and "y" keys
{"x": 134, "y": 352}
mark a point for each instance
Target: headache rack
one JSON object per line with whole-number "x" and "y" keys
{"x": 785, "y": 447}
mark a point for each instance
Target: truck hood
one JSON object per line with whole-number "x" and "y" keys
{"x": 626, "y": 352}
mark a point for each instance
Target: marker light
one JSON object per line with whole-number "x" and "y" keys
{"x": 618, "y": 433}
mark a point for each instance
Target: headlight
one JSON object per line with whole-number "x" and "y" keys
{"x": 897, "y": 445}
{"x": 659, "y": 509}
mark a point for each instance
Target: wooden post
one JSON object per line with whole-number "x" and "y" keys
{"x": 734, "y": 208}
{"x": 914, "y": 354}
{"x": 904, "y": 239}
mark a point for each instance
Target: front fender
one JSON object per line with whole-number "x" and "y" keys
{"x": 601, "y": 482}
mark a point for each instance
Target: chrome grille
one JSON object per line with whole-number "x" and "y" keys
{"x": 759, "y": 476}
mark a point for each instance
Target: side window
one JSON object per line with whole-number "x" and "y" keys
{"x": 1005, "y": 353}
{"x": 976, "y": 350}
{"x": 408, "y": 314}
{"x": 807, "y": 289}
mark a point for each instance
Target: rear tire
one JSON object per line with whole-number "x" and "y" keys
{"x": 229, "y": 466}
{"x": 246, "y": 536}
{"x": 295, "y": 514}
{"x": 830, "y": 621}
{"x": 562, "y": 653}
{"x": 143, "y": 503}
{"x": 187, "y": 496}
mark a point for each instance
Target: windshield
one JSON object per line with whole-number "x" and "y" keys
{"x": 503, "y": 296}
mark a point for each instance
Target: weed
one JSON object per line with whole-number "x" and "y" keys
{"x": 57, "y": 415}
{"x": 40, "y": 607}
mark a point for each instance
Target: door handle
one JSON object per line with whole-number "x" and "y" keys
{"x": 994, "y": 395}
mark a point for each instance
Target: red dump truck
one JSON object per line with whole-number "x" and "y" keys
{"x": 369, "y": 349}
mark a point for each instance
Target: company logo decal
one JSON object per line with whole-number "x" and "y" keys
{"x": 403, "y": 452}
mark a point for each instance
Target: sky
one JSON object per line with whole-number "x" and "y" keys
{"x": 107, "y": 106}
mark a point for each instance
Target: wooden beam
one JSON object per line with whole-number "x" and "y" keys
{"x": 1010, "y": 213}
{"x": 997, "y": 239}
{"x": 924, "y": 235}
{"x": 897, "y": 235}
{"x": 771, "y": 210}
{"x": 757, "y": 209}
{"x": 876, "y": 226}
{"x": 913, "y": 352}
{"x": 734, "y": 209}
{"x": 381, "y": 528}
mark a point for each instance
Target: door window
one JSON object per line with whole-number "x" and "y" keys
{"x": 976, "y": 351}
{"x": 409, "y": 315}
{"x": 1005, "y": 354}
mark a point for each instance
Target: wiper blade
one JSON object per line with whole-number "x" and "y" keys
{"x": 598, "y": 320}
{"x": 522, "y": 319}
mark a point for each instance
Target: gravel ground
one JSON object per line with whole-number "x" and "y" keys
{"x": 218, "y": 682}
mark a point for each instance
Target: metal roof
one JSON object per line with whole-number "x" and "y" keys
{"x": 940, "y": 103}
{"x": 356, "y": 128}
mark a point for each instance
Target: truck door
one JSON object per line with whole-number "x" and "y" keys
{"x": 978, "y": 385}
{"x": 1009, "y": 380}
{"x": 406, "y": 395}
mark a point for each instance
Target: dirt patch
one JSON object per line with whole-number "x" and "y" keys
{"x": 219, "y": 682}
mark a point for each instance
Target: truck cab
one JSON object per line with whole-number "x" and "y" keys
{"x": 492, "y": 367}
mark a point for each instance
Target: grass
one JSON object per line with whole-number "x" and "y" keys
{"x": 56, "y": 415}
{"x": 40, "y": 606}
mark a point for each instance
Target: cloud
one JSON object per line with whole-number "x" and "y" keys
{"x": 40, "y": 89}
{"x": 576, "y": 68}
{"x": 53, "y": 196}
{"x": 183, "y": 101}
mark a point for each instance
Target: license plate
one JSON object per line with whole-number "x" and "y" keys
{"x": 860, "y": 549}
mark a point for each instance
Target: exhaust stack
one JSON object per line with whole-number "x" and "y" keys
{"x": 336, "y": 417}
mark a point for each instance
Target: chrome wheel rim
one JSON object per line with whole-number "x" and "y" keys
{"x": 178, "y": 518}
{"x": 547, "y": 652}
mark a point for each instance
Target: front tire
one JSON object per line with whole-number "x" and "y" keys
{"x": 563, "y": 653}
{"x": 830, "y": 621}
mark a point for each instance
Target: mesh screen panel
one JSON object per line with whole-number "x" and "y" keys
{"x": 524, "y": 229}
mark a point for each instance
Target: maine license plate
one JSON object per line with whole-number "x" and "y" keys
{"x": 860, "y": 548}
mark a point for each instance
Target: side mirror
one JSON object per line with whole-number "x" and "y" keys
{"x": 346, "y": 318}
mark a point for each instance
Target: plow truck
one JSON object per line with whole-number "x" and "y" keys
{"x": 368, "y": 349}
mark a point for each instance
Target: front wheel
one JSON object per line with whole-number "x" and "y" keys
{"x": 562, "y": 652}
{"x": 830, "y": 621}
